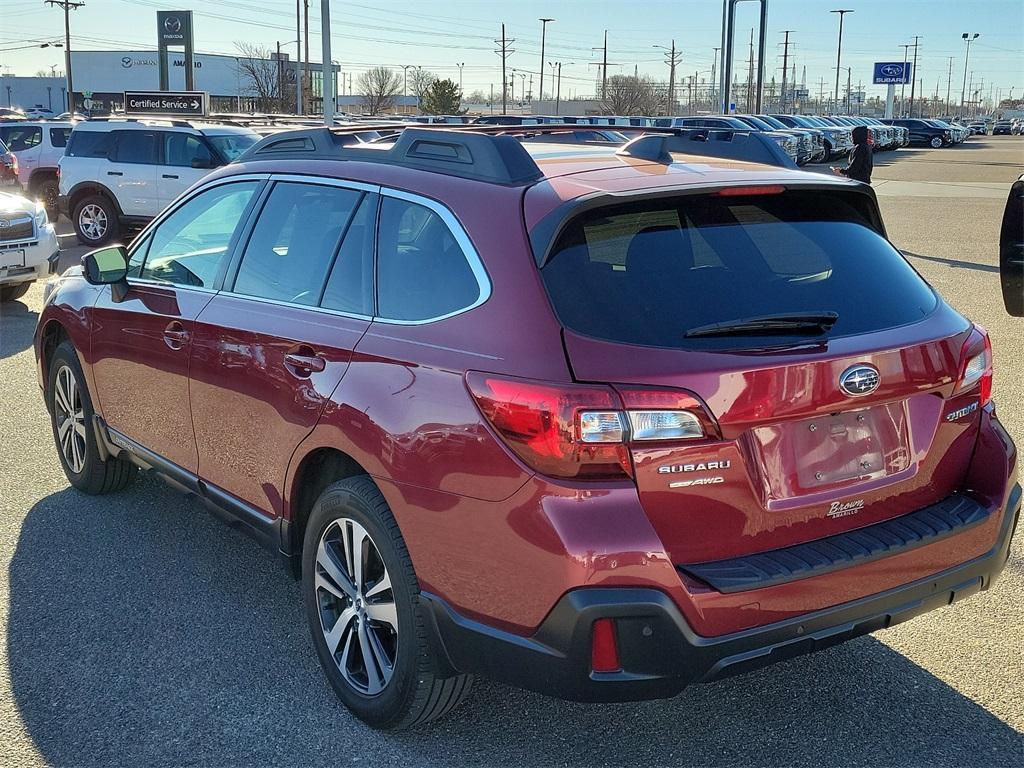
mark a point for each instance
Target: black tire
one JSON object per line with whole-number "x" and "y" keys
{"x": 95, "y": 476}
{"x": 88, "y": 211}
{"x": 13, "y": 292}
{"x": 415, "y": 694}
{"x": 47, "y": 192}
{"x": 936, "y": 142}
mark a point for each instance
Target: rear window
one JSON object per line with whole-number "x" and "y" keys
{"x": 645, "y": 273}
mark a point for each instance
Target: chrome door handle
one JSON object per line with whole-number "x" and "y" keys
{"x": 304, "y": 365}
{"x": 175, "y": 335}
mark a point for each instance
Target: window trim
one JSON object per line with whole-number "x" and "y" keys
{"x": 242, "y": 228}
{"x": 469, "y": 252}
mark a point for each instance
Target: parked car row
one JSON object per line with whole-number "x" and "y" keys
{"x": 931, "y": 133}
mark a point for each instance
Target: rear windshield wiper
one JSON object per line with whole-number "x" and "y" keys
{"x": 768, "y": 324}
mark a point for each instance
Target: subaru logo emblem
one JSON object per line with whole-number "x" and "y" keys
{"x": 172, "y": 24}
{"x": 4, "y": 223}
{"x": 858, "y": 380}
{"x": 126, "y": 62}
{"x": 892, "y": 70}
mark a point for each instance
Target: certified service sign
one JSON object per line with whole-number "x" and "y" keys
{"x": 892, "y": 72}
{"x": 173, "y": 103}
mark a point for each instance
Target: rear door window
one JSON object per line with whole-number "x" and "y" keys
{"x": 295, "y": 241}
{"x": 19, "y": 138}
{"x": 186, "y": 151}
{"x": 645, "y": 273}
{"x": 135, "y": 147}
{"x": 89, "y": 144}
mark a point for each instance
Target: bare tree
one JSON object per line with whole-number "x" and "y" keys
{"x": 263, "y": 77}
{"x": 629, "y": 95}
{"x": 379, "y": 87}
{"x": 476, "y": 97}
{"x": 420, "y": 81}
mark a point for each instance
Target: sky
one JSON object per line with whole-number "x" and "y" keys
{"x": 439, "y": 35}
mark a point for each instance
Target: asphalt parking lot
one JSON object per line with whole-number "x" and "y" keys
{"x": 139, "y": 631}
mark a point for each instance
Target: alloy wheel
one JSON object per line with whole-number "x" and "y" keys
{"x": 358, "y": 616}
{"x": 92, "y": 220}
{"x": 70, "y": 419}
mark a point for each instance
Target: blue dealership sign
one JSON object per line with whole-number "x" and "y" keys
{"x": 892, "y": 72}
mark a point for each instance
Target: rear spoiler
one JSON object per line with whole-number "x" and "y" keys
{"x": 750, "y": 147}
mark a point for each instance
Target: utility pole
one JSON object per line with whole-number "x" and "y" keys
{"x": 672, "y": 60}
{"x": 504, "y": 52}
{"x": 298, "y": 56}
{"x": 750, "y": 75}
{"x": 529, "y": 96}
{"x": 963, "y": 93}
{"x": 305, "y": 35}
{"x": 912, "y": 82}
{"x": 839, "y": 49}
{"x": 604, "y": 64}
{"x": 543, "y": 35}
{"x": 821, "y": 92}
{"x": 68, "y": 6}
{"x": 714, "y": 82}
{"x": 949, "y": 83}
{"x": 785, "y": 70}
{"x": 903, "y": 86}
{"x": 330, "y": 95}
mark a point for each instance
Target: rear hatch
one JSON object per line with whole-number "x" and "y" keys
{"x": 823, "y": 372}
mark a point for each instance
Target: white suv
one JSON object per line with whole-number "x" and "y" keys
{"x": 28, "y": 245}
{"x": 39, "y": 146}
{"x": 118, "y": 173}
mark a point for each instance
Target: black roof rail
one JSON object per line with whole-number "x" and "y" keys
{"x": 658, "y": 144}
{"x": 466, "y": 154}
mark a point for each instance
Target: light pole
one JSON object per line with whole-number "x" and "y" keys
{"x": 839, "y": 48}
{"x": 543, "y": 34}
{"x": 522, "y": 87}
{"x": 963, "y": 92}
{"x": 460, "y": 66}
{"x": 556, "y": 66}
{"x": 405, "y": 84}
{"x": 903, "y": 86}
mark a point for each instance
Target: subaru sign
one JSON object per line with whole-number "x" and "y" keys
{"x": 892, "y": 72}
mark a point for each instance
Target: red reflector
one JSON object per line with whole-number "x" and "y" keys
{"x": 738, "y": 191}
{"x": 604, "y": 653}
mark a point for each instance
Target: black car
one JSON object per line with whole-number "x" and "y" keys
{"x": 923, "y": 133}
{"x": 1011, "y": 250}
{"x": 1003, "y": 128}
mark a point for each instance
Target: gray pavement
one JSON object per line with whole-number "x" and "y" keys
{"x": 139, "y": 631}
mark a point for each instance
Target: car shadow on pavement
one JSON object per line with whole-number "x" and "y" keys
{"x": 17, "y": 324}
{"x": 955, "y": 263}
{"x": 144, "y": 632}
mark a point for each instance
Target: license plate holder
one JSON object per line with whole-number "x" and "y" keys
{"x": 12, "y": 258}
{"x": 861, "y": 445}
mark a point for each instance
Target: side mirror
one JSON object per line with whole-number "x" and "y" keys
{"x": 108, "y": 266}
{"x": 1011, "y": 251}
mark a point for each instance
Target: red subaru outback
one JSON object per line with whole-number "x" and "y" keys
{"x": 596, "y": 423}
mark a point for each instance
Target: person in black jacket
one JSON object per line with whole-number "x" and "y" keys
{"x": 861, "y": 159}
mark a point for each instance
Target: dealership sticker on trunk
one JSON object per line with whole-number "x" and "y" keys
{"x": 845, "y": 508}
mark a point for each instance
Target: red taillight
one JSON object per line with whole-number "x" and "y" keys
{"x": 976, "y": 365}
{"x": 584, "y": 430}
{"x": 604, "y": 649}
{"x": 774, "y": 189}
{"x": 541, "y": 423}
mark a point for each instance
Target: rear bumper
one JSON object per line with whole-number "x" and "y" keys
{"x": 659, "y": 651}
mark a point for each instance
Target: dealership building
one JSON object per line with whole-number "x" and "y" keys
{"x": 103, "y": 76}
